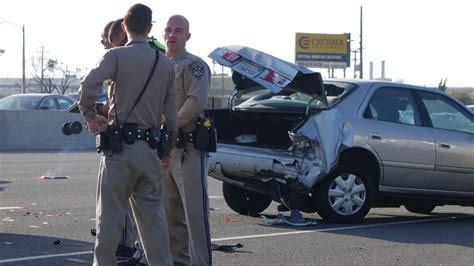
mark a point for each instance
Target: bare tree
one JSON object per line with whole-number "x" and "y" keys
{"x": 52, "y": 75}
{"x": 442, "y": 85}
{"x": 68, "y": 77}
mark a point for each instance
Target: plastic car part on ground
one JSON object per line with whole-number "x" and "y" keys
{"x": 226, "y": 248}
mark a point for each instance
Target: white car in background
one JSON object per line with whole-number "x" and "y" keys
{"x": 36, "y": 101}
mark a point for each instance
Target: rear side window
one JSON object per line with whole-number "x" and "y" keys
{"x": 447, "y": 114}
{"x": 63, "y": 104}
{"x": 393, "y": 105}
{"x": 48, "y": 104}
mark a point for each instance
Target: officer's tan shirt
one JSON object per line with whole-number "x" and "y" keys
{"x": 128, "y": 68}
{"x": 192, "y": 87}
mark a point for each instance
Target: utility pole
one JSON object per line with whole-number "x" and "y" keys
{"x": 355, "y": 63}
{"x": 361, "y": 66}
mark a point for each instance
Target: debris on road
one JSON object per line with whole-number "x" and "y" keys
{"x": 226, "y": 248}
{"x": 52, "y": 177}
{"x": 55, "y": 215}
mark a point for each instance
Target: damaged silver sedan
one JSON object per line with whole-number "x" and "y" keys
{"x": 338, "y": 147}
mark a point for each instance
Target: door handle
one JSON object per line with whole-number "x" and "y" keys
{"x": 375, "y": 136}
{"x": 444, "y": 145}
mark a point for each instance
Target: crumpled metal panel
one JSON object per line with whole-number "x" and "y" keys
{"x": 318, "y": 144}
{"x": 329, "y": 134}
{"x": 244, "y": 161}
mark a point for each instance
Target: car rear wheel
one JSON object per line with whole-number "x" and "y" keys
{"x": 346, "y": 195}
{"x": 244, "y": 201}
{"x": 420, "y": 208}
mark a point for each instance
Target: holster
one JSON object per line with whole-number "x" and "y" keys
{"x": 205, "y": 135}
{"x": 114, "y": 136}
{"x": 201, "y": 137}
{"x": 111, "y": 140}
{"x": 129, "y": 133}
{"x": 212, "y": 147}
{"x": 153, "y": 137}
{"x": 164, "y": 144}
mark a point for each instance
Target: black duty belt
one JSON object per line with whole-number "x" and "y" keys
{"x": 188, "y": 137}
{"x": 184, "y": 138}
{"x": 139, "y": 133}
{"x": 131, "y": 132}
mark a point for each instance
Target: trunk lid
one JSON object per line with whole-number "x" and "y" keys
{"x": 251, "y": 67}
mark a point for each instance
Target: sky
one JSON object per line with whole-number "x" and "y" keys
{"x": 421, "y": 42}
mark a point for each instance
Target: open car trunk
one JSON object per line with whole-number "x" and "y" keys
{"x": 276, "y": 134}
{"x": 256, "y": 129}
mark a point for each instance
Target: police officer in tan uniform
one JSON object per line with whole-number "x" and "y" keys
{"x": 186, "y": 198}
{"x": 113, "y": 36}
{"x": 134, "y": 172}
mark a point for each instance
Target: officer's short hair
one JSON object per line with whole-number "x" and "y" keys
{"x": 105, "y": 31}
{"x": 115, "y": 30}
{"x": 104, "y": 36}
{"x": 138, "y": 18}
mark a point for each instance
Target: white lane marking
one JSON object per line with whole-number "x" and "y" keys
{"x": 46, "y": 256}
{"x": 10, "y": 208}
{"x": 215, "y": 197}
{"x": 255, "y": 236}
{"x": 333, "y": 229}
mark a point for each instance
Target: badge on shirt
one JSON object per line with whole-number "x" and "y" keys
{"x": 197, "y": 69}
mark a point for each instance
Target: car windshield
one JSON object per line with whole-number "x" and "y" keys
{"x": 19, "y": 103}
{"x": 290, "y": 99}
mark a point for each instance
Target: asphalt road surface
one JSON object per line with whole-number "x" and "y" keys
{"x": 48, "y": 222}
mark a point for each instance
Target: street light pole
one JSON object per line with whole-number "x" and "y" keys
{"x": 23, "y": 78}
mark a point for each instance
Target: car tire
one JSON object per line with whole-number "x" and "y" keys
{"x": 336, "y": 199}
{"x": 420, "y": 208}
{"x": 244, "y": 201}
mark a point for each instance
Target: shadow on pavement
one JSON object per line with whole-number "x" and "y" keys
{"x": 438, "y": 228}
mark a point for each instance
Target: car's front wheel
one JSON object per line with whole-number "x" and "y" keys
{"x": 346, "y": 195}
{"x": 244, "y": 201}
{"x": 420, "y": 208}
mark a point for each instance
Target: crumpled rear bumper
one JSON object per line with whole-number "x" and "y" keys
{"x": 315, "y": 152}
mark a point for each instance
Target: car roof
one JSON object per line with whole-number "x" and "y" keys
{"x": 375, "y": 81}
{"x": 35, "y": 95}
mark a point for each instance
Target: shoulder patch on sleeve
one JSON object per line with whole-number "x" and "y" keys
{"x": 197, "y": 69}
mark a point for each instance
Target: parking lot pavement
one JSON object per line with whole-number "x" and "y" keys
{"x": 48, "y": 222}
